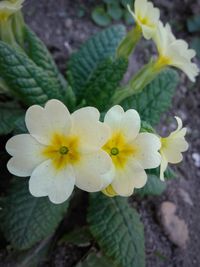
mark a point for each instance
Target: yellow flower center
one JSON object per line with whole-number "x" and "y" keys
{"x": 146, "y": 21}
{"x": 109, "y": 191}
{"x": 164, "y": 142}
{"x": 119, "y": 150}
{"x": 63, "y": 150}
{"x": 162, "y": 62}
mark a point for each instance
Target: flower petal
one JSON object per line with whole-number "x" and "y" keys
{"x": 37, "y": 124}
{"x": 26, "y": 152}
{"x": 113, "y": 117}
{"x": 147, "y": 153}
{"x": 128, "y": 178}
{"x": 140, "y": 8}
{"x": 41, "y": 122}
{"x": 94, "y": 134}
{"x": 59, "y": 116}
{"x": 92, "y": 171}
{"x": 45, "y": 181}
{"x": 128, "y": 123}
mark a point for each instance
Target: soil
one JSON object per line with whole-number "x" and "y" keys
{"x": 62, "y": 27}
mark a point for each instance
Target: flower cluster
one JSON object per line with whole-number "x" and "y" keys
{"x": 63, "y": 150}
{"x": 172, "y": 52}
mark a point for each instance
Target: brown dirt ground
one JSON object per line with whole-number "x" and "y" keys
{"x": 60, "y": 27}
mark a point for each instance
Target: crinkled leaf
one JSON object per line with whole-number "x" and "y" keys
{"x": 26, "y": 220}
{"x": 39, "y": 53}
{"x": 100, "y": 47}
{"x": 117, "y": 229}
{"x": 153, "y": 187}
{"x": 104, "y": 81}
{"x": 28, "y": 81}
{"x": 10, "y": 112}
{"x": 156, "y": 98}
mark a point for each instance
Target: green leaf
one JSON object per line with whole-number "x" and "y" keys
{"x": 39, "y": 53}
{"x": 169, "y": 173}
{"x": 153, "y": 187}
{"x": 100, "y": 47}
{"x": 20, "y": 126}
{"x": 10, "y": 112}
{"x": 128, "y": 18}
{"x": 104, "y": 81}
{"x": 80, "y": 237}
{"x": 100, "y": 16}
{"x": 117, "y": 229}
{"x": 146, "y": 127}
{"x": 115, "y": 11}
{"x": 196, "y": 45}
{"x": 28, "y": 81}
{"x": 109, "y": 1}
{"x": 94, "y": 260}
{"x": 156, "y": 98}
{"x": 33, "y": 257}
{"x": 26, "y": 220}
{"x": 127, "y": 2}
{"x": 193, "y": 24}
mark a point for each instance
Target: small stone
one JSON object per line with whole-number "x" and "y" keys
{"x": 68, "y": 23}
{"x": 175, "y": 228}
{"x": 196, "y": 158}
{"x": 185, "y": 196}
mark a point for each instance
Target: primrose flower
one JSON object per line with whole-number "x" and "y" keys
{"x": 131, "y": 152}
{"x": 172, "y": 147}
{"x": 146, "y": 17}
{"x": 174, "y": 52}
{"x": 9, "y": 7}
{"x": 61, "y": 151}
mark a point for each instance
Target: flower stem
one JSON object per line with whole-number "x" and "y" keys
{"x": 128, "y": 44}
{"x": 18, "y": 27}
{"x": 146, "y": 75}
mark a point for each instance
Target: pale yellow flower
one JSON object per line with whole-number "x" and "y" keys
{"x": 61, "y": 151}
{"x": 172, "y": 147}
{"x": 131, "y": 151}
{"x": 146, "y": 17}
{"x": 174, "y": 52}
{"x": 9, "y": 7}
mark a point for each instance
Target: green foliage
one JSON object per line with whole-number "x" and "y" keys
{"x": 28, "y": 81}
{"x": 84, "y": 62}
{"x": 80, "y": 237}
{"x": 112, "y": 10}
{"x": 26, "y": 220}
{"x": 117, "y": 229}
{"x": 10, "y": 112}
{"x": 100, "y": 16}
{"x": 193, "y": 24}
{"x": 153, "y": 187}
{"x": 104, "y": 81}
{"x": 196, "y": 45}
{"x": 39, "y": 53}
{"x": 169, "y": 173}
{"x": 155, "y": 98}
{"x": 115, "y": 11}
{"x": 146, "y": 127}
{"x": 93, "y": 260}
